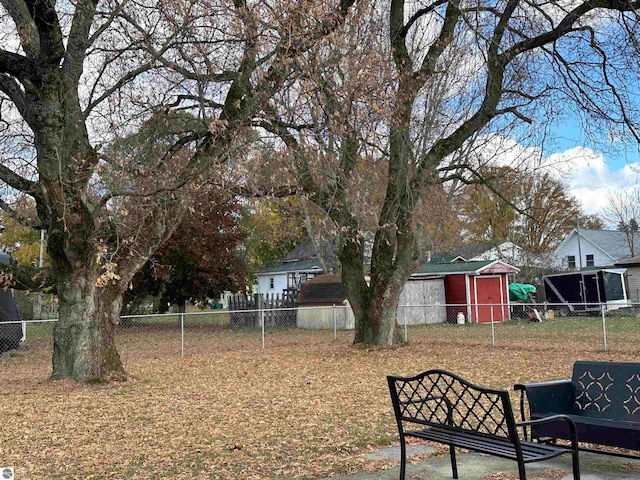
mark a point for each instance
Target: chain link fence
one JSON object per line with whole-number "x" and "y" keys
{"x": 180, "y": 334}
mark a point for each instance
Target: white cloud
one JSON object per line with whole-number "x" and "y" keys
{"x": 587, "y": 174}
{"x": 590, "y": 177}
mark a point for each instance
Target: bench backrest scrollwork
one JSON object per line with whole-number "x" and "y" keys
{"x": 443, "y": 399}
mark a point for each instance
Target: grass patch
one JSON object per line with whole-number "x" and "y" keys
{"x": 305, "y": 407}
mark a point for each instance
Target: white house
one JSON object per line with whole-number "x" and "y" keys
{"x": 593, "y": 248}
{"x": 287, "y": 275}
{"x": 304, "y": 263}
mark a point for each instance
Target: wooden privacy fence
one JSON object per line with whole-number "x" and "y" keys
{"x": 278, "y": 310}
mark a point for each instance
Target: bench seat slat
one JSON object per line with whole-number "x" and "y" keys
{"x": 596, "y": 431}
{"x": 497, "y": 446}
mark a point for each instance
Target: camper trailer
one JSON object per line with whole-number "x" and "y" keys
{"x": 585, "y": 291}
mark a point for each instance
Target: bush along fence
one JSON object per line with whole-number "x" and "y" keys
{"x": 251, "y": 324}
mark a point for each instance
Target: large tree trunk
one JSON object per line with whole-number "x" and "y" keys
{"x": 374, "y": 306}
{"x": 394, "y": 250}
{"x": 84, "y": 347}
{"x": 376, "y": 322}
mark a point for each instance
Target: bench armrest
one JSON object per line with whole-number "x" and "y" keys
{"x": 572, "y": 426}
{"x": 556, "y": 396}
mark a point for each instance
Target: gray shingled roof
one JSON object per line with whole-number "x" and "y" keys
{"x": 629, "y": 260}
{"x": 306, "y": 250}
{"x": 613, "y": 242}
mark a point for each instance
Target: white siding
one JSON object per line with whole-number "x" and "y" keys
{"x": 279, "y": 282}
{"x": 570, "y": 247}
{"x": 633, "y": 277}
{"x": 422, "y": 302}
{"x": 321, "y": 318}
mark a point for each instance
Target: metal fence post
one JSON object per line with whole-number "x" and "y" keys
{"x": 335, "y": 323}
{"x": 404, "y": 311}
{"x": 182, "y": 334}
{"x": 493, "y": 330}
{"x": 604, "y": 327}
{"x": 262, "y": 325}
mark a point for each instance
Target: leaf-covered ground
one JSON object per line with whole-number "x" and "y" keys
{"x": 306, "y": 410}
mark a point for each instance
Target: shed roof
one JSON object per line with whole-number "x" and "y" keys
{"x": 322, "y": 290}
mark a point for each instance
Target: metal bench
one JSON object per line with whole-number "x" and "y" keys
{"x": 602, "y": 398}
{"x": 441, "y": 407}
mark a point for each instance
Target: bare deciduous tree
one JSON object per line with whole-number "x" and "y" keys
{"x": 623, "y": 211}
{"x": 449, "y": 77}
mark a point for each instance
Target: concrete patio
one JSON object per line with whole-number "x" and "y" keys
{"x": 473, "y": 466}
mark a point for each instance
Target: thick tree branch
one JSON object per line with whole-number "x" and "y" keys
{"x": 404, "y": 31}
{"x": 27, "y": 222}
{"x": 398, "y": 38}
{"x": 16, "y": 181}
{"x": 12, "y": 89}
{"x": 445, "y": 38}
{"x": 243, "y": 99}
{"x": 32, "y": 279}
{"x": 565, "y": 26}
{"x": 25, "y": 26}
{"x": 78, "y": 40}
{"x": 17, "y": 66}
{"x": 496, "y": 65}
{"x": 43, "y": 13}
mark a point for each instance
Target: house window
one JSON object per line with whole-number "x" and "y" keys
{"x": 590, "y": 260}
{"x": 571, "y": 261}
{"x": 272, "y": 283}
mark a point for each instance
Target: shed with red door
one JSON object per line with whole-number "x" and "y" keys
{"x": 478, "y": 290}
